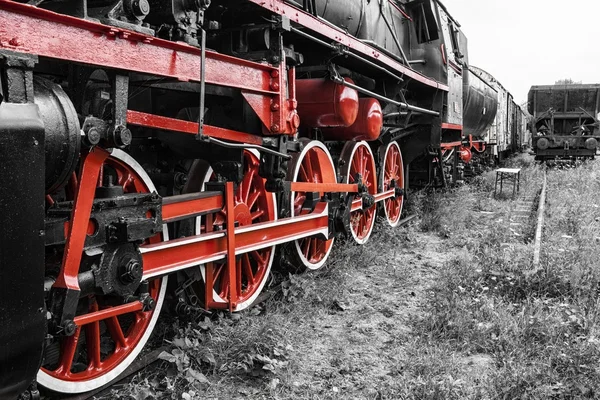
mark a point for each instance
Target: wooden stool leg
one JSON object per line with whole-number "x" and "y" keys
{"x": 496, "y": 185}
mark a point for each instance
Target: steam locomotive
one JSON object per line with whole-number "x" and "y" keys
{"x": 186, "y": 146}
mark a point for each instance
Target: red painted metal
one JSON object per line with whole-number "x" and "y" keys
{"x": 277, "y": 114}
{"x": 209, "y": 269}
{"x": 33, "y": 30}
{"x": 336, "y": 35}
{"x": 465, "y": 154}
{"x": 400, "y": 10}
{"x": 358, "y": 205}
{"x": 367, "y": 126}
{"x": 252, "y": 204}
{"x": 359, "y": 160}
{"x": 477, "y": 145}
{"x": 450, "y": 145}
{"x": 443, "y": 50}
{"x": 178, "y": 207}
{"x": 82, "y": 206}
{"x": 313, "y": 165}
{"x": 101, "y": 308}
{"x": 100, "y": 315}
{"x": 324, "y": 187}
{"x": 178, "y": 125}
{"x": 454, "y": 127}
{"x": 455, "y": 67}
{"x": 73, "y": 39}
{"x": 393, "y": 171}
{"x": 233, "y": 276}
{"x": 388, "y": 194}
{"x": 166, "y": 257}
{"x": 323, "y": 103}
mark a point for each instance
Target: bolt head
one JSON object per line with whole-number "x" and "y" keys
{"x": 131, "y": 272}
{"x": 93, "y": 136}
{"x": 122, "y": 136}
{"x": 69, "y": 328}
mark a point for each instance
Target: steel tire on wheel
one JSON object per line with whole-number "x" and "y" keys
{"x": 257, "y": 263}
{"x": 392, "y": 168}
{"x": 137, "y": 332}
{"x": 312, "y": 164}
{"x": 358, "y": 159}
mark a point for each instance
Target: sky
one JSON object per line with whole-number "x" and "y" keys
{"x": 531, "y": 42}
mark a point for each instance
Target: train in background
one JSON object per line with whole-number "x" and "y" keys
{"x": 187, "y": 147}
{"x": 566, "y": 121}
{"x": 510, "y": 132}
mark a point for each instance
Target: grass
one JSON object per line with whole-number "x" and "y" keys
{"x": 441, "y": 309}
{"x": 539, "y": 331}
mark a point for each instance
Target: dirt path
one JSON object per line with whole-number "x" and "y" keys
{"x": 341, "y": 332}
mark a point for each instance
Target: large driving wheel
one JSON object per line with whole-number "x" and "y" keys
{"x": 391, "y": 176}
{"x": 313, "y": 164}
{"x": 359, "y": 163}
{"x": 100, "y": 350}
{"x": 252, "y": 204}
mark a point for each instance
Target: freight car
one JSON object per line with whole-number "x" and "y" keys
{"x": 509, "y": 133}
{"x": 154, "y": 146}
{"x": 566, "y": 122}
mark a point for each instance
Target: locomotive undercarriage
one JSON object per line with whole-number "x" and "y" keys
{"x": 153, "y": 168}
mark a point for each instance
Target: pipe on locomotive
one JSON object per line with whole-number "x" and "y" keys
{"x": 340, "y": 81}
{"x": 345, "y": 52}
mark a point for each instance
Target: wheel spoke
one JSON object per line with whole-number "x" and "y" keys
{"x": 116, "y": 332}
{"x": 69, "y": 347}
{"x": 248, "y": 269}
{"x": 92, "y": 339}
{"x": 248, "y": 178}
{"x": 257, "y": 214}
{"x": 253, "y": 198}
{"x": 238, "y": 271}
{"x": 305, "y": 246}
{"x": 309, "y": 169}
{"x": 258, "y": 258}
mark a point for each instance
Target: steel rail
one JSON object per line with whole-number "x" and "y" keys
{"x": 537, "y": 247}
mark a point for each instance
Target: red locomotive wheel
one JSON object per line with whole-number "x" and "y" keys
{"x": 312, "y": 164}
{"x": 392, "y": 171}
{"x": 252, "y": 204}
{"x": 100, "y": 350}
{"x": 358, "y": 160}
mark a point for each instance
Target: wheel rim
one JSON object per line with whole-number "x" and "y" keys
{"x": 313, "y": 164}
{"x": 358, "y": 159}
{"x": 100, "y": 351}
{"x": 393, "y": 170}
{"x": 252, "y": 204}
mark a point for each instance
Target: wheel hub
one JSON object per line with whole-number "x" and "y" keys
{"x": 120, "y": 270}
{"x": 242, "y": 214}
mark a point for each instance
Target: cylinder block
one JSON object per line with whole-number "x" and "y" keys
{"x": 62, "y": 132}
